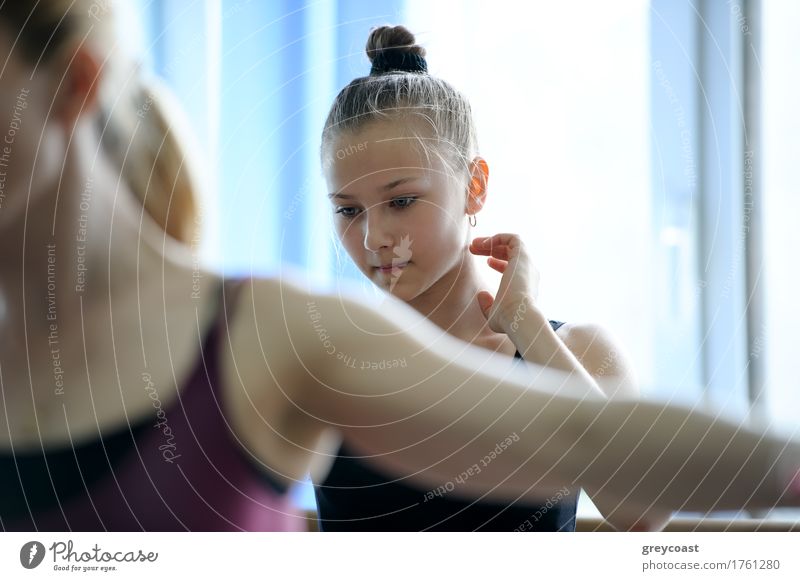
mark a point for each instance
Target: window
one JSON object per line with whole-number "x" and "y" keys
{"x": 780, "y": 182}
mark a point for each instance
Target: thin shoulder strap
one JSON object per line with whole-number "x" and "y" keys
{"x": 554, "y": 324}
{"x": 227, "y": 303}
{"x": 231, "y": 289}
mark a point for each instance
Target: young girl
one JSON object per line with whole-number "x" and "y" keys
{"x": 401, "y": 160}
{"x": 141, "y": 394}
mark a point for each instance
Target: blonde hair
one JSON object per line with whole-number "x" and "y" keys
{"x": 394, "y": 94}
{"x": 135, "y": 112}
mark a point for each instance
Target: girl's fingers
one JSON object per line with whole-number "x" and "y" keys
{"x": 501, "y": 252}
{"x": 502, "y": 246}
{"x": 497, "y": 264}
{"x": 479, "y": 246}
{"x": 505, "y": 239}
{"x": 485, "y": 301}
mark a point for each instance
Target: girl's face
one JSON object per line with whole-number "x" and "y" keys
{"x": 399, "y": 213}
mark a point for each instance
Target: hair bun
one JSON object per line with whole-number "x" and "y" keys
{"x": 394, "y": 48}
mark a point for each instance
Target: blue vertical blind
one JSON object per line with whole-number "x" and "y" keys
{"x": 257, "y": 79}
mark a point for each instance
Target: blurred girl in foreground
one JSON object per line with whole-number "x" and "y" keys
{"x": 141, "y": 394}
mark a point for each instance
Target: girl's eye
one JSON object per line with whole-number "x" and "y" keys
{"x": 403, "y": 202}
{"x": 347, "y": 211}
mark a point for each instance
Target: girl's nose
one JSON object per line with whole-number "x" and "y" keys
{"x": 376, "y": 231}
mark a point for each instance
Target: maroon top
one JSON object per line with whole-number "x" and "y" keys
{"x": 182, "y": 469}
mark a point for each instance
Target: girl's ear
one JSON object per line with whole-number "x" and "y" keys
{"x": 78, "y": 90}
{"x": 478, "y": 184}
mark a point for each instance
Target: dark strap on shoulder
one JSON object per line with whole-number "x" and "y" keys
{"x": 554, "y": 324}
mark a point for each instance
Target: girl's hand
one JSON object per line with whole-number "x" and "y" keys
{"x": 519, "y": 286}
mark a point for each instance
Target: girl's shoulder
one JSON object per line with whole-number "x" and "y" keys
{"x": 602, "y": 355}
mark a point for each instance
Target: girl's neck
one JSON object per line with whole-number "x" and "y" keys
{"x": 80, "y": 242}
{"x": 451, "y": 304}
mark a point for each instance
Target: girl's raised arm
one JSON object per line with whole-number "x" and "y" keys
{"x": 425, "y": 405}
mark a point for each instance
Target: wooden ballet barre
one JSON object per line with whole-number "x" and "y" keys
{"x": 676, "y": 525}
{"x": 683, "y": 524}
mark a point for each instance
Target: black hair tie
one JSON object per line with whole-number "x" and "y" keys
{"x": 394, "y": 59}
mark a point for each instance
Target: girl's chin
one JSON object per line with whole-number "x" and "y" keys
{"x": 398, "y": 289}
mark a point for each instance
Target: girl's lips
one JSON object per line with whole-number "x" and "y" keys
{"x": 391, "y": 268}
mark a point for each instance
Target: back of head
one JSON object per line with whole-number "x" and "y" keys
{"x": 399, "y": 86}
{"x": 135, "y": 123}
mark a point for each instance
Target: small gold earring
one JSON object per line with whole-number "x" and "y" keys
{"x": 473, "y": 221}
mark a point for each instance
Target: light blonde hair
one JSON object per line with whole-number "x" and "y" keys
{"x": 397, "y": 94}
{"x": 135, "y": 112}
